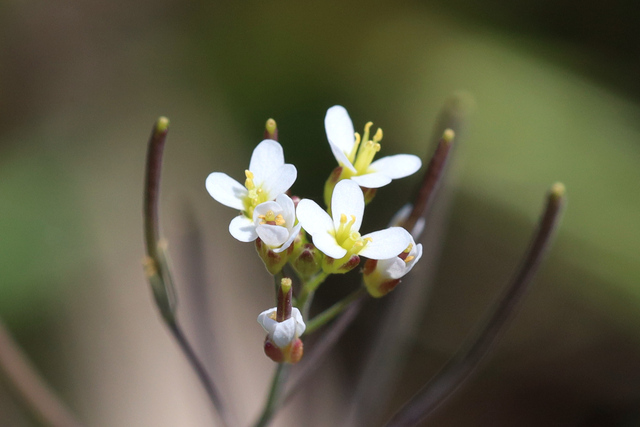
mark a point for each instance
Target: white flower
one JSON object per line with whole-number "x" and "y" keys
{"x": 338, "y": 237}
{"x": 380, "y": 277}
{"x": 282, "y": 333}
{"x": 274, "y": 223}
{"x": 355, "y": 155}
{"x": 267, "y": 177}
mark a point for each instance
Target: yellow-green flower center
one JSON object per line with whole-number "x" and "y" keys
{"x": 349, "y": 239}
{"x": 271, "y": 218}
{"x": 255, "y": 195}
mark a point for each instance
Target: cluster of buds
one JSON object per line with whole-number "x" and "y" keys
{"x": 317, "y": 241}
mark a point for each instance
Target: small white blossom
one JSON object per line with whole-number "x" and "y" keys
{"x": 267, "y": 177}
{"x": 275, "y": 223}
{"x": 282, "y": 333}
{"x": 339, "y": 236}
{"x": 355, "y": 154}
{"x": 380, "y": 277}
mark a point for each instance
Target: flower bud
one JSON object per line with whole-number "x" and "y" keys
{"x": 271, "y": 130}
{"x": 307, "y": 261}
{"x": 272, "y": 261}
{"x": 340, "y": 266}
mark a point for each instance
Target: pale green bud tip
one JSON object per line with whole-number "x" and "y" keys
{"x": 448, "y": 135}
{"x": 162, "y": 125}
{"x": 557, "y": 190}
{"x": 271, "y": 126}
{"x": 285, "y": 285}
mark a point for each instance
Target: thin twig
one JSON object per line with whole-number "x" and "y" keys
{"x": 464, "y": 364}
{"x": 157, "y": 265}
{"x": 432, "y": 177}
{"x": 273, "y": 400}
{"x": 24, "y": 380}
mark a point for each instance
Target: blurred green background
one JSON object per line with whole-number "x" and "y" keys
{"x": 550, "y": 92}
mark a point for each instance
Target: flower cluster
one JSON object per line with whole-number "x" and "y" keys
{"x": 280, "y": 225}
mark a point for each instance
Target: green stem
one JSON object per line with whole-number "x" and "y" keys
{"x": 273, "y": 401}
{"x": 337, "y": 308}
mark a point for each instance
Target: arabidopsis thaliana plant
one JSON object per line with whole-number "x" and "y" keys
{"x": 355, "y": 154}
{"x": 339, "y": 236}
{"x": 267, "y": 177}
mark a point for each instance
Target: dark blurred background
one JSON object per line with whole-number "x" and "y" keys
{"x": 548, "y": 92}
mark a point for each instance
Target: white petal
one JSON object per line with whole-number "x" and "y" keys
{"x": 285, "y": 333}
{"x": 279, "y": 181}
{"x": 226, "y": 190}
{"x": 397, "y": 166}
{"x": 243, "y": 229}
{"x": 372, "y": 180}
{"x": 266, "y": 158}
{"x": 292, "y": 237}
{"x": 288, "y": 209}
{"x": 347, "y": 199}
{"x": 326, "y": 243}
{"x": 272, "y": 235}
{"x": 341, "y": 157}
{"x": 265, "y": 320}
{"x": 313, "y": 218}
{"x": 386, "y": 243}
{"x": 300, "y": 326}
{"x": 339, "y": 128}
{"x": 393, "y": 268}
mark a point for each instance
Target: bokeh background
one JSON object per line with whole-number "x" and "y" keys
{"x": 546, "y": 91}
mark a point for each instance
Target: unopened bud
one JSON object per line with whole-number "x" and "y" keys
{"x": 272, "y": 261}
{"x": 271, "y": 130}
{"x": 307, "y": 261}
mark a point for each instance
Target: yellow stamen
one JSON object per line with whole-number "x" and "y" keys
{"x": 352, "y": 155}
{"x": 378, "y": 136}
{"x": 409, "y": 258}
{"x": 279, "y": 220}
{"x": 248, "y": 183}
